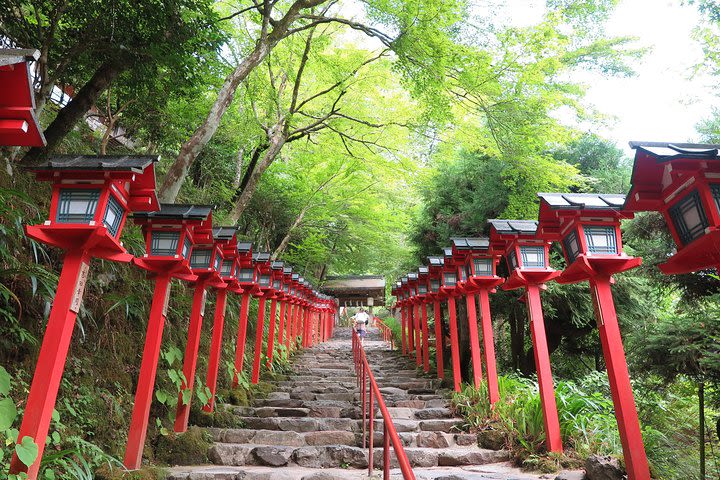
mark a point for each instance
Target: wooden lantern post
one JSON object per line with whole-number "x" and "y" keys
{"x": 91, "y": 197}
{"x": 168, "y": 244}
{"x": 264, "y": 291}
{"x": 414, "y": 300}
{"x": 588, "y": 227}
{"x": 205, "y": 262}
{"x": 448, "y": 288}
{"x": 424, "y": 298}
{"x": 226, "y": 237}
{"x": 434, "y": 280}
{"x": 18, "y": 124}
{"x": 283, "y": 330}
{"x": 247, "y": 280}
{"x": 528, "y": 261}
{"x": 480, "y": 279}
{"x": 277, "y": 285}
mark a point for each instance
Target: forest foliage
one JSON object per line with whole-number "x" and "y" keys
{"x": 345, "y": 138}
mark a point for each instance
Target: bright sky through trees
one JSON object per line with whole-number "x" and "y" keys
{"x": 666, "y": 99}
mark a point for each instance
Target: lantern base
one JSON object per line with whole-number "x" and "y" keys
{"x": 94, "y": 239}
{"x": 585, "y": 268}
{"x": 702, "y": 254}
{"x": 474, "y": 285}
{"x": 522, "y": 278}
{"x": 211, "y": 279}
{"x": 175, "y": 267}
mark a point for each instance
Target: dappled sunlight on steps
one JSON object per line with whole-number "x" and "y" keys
{"x": 310, "y": 427}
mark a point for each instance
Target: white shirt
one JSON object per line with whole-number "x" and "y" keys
{"x": 362, "y": 318}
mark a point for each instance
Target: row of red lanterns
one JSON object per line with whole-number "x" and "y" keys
{"x": 681, "y": 181}
{"x": 91, "y": 200}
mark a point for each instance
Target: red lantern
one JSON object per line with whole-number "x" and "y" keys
{"x": 449, "y": 290}
{"x": 18, "y": 125}
{"x": 277, "y": 282}
{"x": 528, "y": 261}
{"x": 479, "y": 264}
{"x": 168, "y": 245}
{"x": 226, "y": 241}
{"x": 588, "y": 227}
{"x": 90, "y": 201}
{"x": 681, "y": 181}
{"x": 246, "y": 277}
{"x": 263, "y": 292}
{"x": 434, "y": 274}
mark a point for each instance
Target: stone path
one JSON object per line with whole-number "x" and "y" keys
{"x": 310, "y": 427}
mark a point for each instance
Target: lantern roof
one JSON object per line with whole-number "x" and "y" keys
{"x": 514, "y": 227}
{"x": 296, "y": 276}
{"x": 436, "y": 261}
{"x": 287, "y": 270}
{"x": 555, "y": 208}
{"x": 277, "y": 265}
{"x": 133, "y": 163}
{"x": 224, "y": 233}
{"x": 658, "y": 164}
{"x": 11, "y": 56}
{"x": 478, "y": 243}
{"x": 423, "y": 270}
{"x": 412, "y": 276}
{"x": 176, "y": 211}
{"x": 404, "y": 280}
{"x": 261, "y": 257}
{"x": 244, "y": 247}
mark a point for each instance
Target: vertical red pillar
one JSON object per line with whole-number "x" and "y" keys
{"x": 190, "y": 359}
{"x": 242, "y": 332}
{"x": 271, "y": 332}
{"x": 215, "y": 347}
{"x": 281, "y": 325}
{"x": 454, "y": 344}
{"x": 438, "y": 340}
{"x": 426, "y": 339}
{"x": 474, "y": 339}
{"x": 403, "y": 333}
{"x": 418, "y": 342}
{"x": 488, "y": 346}
{"x": 53, "y": 354}
{"x": 411, "y": 329}
{"x": 553, "y": 439}
{"x": 259, "y": 330}
{"x": 148, "y": 369}
{"x": 290, "y": 327}
{"x": 636, "y": 462}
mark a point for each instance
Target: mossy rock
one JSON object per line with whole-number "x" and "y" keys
{"x": 189, "y": 448}
{"x": 220, "y": 418}
{"x": 237, "y": 396}
{"x": 107, "y": 472}
{"x": 491, "y": 439}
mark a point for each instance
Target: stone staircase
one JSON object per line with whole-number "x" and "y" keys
{"x": 310, "y": 427}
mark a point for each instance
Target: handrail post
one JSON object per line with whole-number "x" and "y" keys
{"x": 386, "y": 451}
{"x": 372, "y": 440}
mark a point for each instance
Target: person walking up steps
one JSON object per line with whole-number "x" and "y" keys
{"x": 360, "y": 322}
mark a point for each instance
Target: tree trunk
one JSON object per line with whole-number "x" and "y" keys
{"x": 191, "y": 149}
{"x": 517, "y": 338}
{"x": 74, "y": 111}
{"x": 239, "y": 168}
{"x": 278, "y": 137}
{"x": 286, "y": 239}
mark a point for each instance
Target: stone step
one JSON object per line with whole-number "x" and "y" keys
{"x": 447, "y": 425}
{"x": 346, "y": 456}
{"x": 319, "y": 411}
{"x": 302, "y": 424}
{"x": 286, "y": 438}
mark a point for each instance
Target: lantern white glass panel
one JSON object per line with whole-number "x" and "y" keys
{"x": 77, "y": 205}
{"x": 187, "y": 246}
{"x": 689, "y": 218}
{"x": 264, "y": 280}
{"x": 218, "y": 259}
{"x": 483, "y": 267}
{"x": 463, "y": 274}
{"x": 200, "y": 258}
{"x": 532, "y": 257}
{"x": 113, "y": 216}
{"x": 600, "y": 239}
{"x": 276, "y": 285}
{"x": 227, "y": 267}
{"x": 422, "y": 288}
{"x": 449, "y": 279}
{"x": 715, "y": 190}
{"x": 246, "y": 275}
{"x": 572, "y": 246}
{"x": 512, "y": 260}
{"x": 163, "y": 244}
{"x": 286, "y": 288}
{"x": 435, "y": 285}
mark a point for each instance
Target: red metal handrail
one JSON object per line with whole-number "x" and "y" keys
{"x": 387, "y": 333}
{"x": 366, "y": 379}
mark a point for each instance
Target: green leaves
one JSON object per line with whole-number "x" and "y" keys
{"x": 4, "y": 382}
{"x": 8, "y": 412}
{"x": 27, "y": 451}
